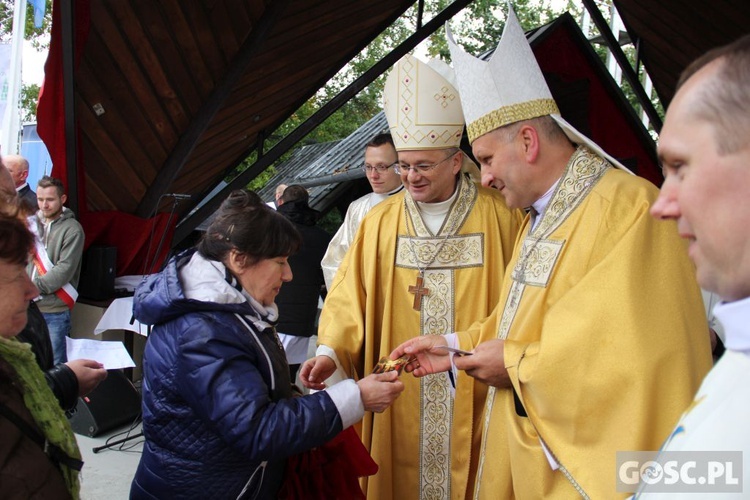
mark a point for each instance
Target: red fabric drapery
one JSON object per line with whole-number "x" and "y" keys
{"x": 131, "y": 235}
{"x": 136, "y": 239}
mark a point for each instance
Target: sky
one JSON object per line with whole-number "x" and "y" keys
{"x": 32, "y": 69}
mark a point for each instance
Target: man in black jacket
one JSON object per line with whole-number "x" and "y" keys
{"x": 18, "y": 166}
{"x": 298, "y": 299}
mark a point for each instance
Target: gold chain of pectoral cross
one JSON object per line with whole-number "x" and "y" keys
{"x": 519, "y": 273}
{"x": 418, "y": 288}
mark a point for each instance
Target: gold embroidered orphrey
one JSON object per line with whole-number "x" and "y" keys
{"x": 439, "y": 261}
{"x": 537, "y": 259}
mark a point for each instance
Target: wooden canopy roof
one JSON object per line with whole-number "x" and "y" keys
{"x": 670, "y": 34}
{"x": 171, "y": 95}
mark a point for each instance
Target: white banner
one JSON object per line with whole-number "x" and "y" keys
{"x": 5, "y": 50}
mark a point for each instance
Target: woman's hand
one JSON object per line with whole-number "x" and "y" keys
{"x": 379, "y": 391}
{"x": 315, "y": 371}
{"x": 88, "y": 372}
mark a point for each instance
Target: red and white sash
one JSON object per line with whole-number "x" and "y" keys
{"x": 67, "y": 293}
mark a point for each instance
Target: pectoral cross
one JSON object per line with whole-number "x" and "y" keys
{"x": 419, "y": 291}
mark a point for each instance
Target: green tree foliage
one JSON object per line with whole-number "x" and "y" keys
{"x": 39, "y": 38}
{"x": 481, "y": 33}
{"x": 479, "y": 26}
{"x": 29, "y": 98}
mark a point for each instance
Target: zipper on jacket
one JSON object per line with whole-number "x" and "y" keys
{"x": 262, "y": 348}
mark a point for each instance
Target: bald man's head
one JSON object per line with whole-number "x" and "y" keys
{"x": 18, "y": 167}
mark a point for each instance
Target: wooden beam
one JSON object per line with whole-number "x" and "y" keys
{"x": 627, "y": 70}
{"x": 176, "y": 161}
{"x": 196, "y": 218}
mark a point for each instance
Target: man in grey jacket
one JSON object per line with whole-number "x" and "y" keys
{"x": 56, "y": 265}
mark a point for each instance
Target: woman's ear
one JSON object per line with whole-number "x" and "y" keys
{"x": 236, "y": 261}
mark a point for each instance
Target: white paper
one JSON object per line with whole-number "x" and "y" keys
{"x": 118, "y": 316}
{"x": 112, "y": 354}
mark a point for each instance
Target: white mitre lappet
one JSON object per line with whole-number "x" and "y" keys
{"x": 508, "y": 88}
{"x": 423, "y": 109}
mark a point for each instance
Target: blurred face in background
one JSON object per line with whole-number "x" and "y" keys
{"x": 18, "y": 168}
{"x": 379, "y": 170}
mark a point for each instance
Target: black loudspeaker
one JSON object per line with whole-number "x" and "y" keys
{"x": 115, "y": 402}
{"x": 98, "y": 269}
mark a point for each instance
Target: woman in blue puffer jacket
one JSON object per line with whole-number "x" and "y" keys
{"x": 219, "y": 413}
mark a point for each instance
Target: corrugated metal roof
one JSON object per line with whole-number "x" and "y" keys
{"x": 345, "y": 156}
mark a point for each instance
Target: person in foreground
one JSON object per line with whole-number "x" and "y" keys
{"x": 705, "y": 154}
{"x": 219, "y": 413}
{"x": 39, "y": 457}
{"x": 599, "y": 338}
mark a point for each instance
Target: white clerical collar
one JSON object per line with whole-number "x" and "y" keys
{"x": 541, "y": 204}
{"x": 434, "y": 214}
{"x": 438, "y": 208}
{"x": 735, "y": 317}
{"x": 19, "y": 188}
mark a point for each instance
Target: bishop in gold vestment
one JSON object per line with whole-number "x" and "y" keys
{"x": 599, "y": 340}
{"x": 426, "y": 444}
{"x": 605, "y": 339}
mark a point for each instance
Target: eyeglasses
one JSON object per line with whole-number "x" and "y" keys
{"x": 422, "y": 168}
{"x": 381, "y": 169}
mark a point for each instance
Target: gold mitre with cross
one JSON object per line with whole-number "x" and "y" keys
{"x": 423, "y": 109}
{"x": 508, "y": 88}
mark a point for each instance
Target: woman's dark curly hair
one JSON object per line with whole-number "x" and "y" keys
{"x": 246, "y": 224}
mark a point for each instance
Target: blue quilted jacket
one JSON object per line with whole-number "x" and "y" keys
{"x": 219, "y": 414}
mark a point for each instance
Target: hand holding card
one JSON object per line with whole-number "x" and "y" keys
{"x": 455, "y": 350}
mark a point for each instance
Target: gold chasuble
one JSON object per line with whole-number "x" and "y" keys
{"x": 606, "y": 340}
{"x": 426, "y": 444}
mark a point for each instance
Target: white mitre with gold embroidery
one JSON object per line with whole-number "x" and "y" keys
{"x": 423, "y": 109}
{"x": 422, "y": 106}
{"x": 508, "y": 88}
